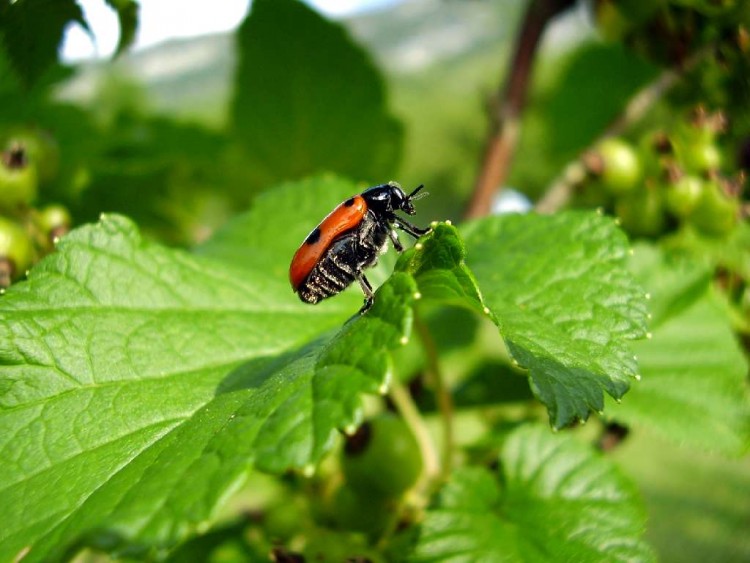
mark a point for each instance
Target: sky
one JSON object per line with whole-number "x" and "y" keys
{"x": 161, "y": 20}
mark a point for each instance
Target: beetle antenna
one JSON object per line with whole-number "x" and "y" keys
{"x": 413, "y": 195}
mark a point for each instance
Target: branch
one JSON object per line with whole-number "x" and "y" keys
{"x": 505, "y": 125}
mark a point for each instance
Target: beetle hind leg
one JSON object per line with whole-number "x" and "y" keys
{"x": 367, "y": 290}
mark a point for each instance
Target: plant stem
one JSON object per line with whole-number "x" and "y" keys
{"x": 561, "y": 189}
{"x": 444, "y": 398}
{"x": 505, "y": 120}
{"x": 409, "y": 412}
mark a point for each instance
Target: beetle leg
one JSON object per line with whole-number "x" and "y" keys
{"x": 407, "y": 227}
{"x": 367, "y": 290}
{"x": 396, "y": 243}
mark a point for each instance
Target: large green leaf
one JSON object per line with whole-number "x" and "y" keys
{"x": 307, "y": 99}
{"x": 139, "y": 385}
{"x": 127, "y": 14}
{"x": 189, "y": 365}
{"x": 694, "y": 388}
{"x": 564, "y": 302}
{"x": 559, "y": 501}
{"x": 31, "y": 32}
{"x": 278, "y": 222}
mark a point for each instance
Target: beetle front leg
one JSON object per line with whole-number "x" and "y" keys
{"x": 407, "y": 227}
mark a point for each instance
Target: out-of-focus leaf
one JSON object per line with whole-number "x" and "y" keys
{"x": 31, "y": 31}
{"x": 272, "y": 234}
{"x": 694, "y": 389}
{"x": 127, "y": 13}
{"x": 575, "y": 99}
{"x": 559, "y": 501}
{"x": 307, "y": 99}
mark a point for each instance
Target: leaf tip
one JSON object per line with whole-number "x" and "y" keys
{"x": 383, "y": 387}
{"x": 637, "y": 376}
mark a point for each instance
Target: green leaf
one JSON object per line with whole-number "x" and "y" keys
{"x": 278, "y": 223}
{"x": 138, "y": 386}
{"x": 307, "y": 99}
{"x": 694, "y": 388}
{"x": 437, "y": 263}
{"x": 673, "y": 282}
{"x": 564, "y": 302}
{"x": 127, "y": 14}
{"x": 31, "y": 31}
{"x": 559, "y": 501}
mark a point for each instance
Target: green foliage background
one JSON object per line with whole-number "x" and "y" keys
{"x": 156, "y": 364}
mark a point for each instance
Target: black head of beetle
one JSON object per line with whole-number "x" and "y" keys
{"x": 387, "y": 198}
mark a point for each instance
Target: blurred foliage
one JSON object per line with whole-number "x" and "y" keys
{"x": 306, "y": 98}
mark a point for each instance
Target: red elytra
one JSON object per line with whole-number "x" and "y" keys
{"x": 348, "y": 215}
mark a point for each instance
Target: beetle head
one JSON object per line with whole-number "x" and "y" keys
{"x": 387, "y": 198}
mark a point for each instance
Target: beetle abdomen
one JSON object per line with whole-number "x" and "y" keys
{"x": 343, "y": 261}
{"x": 332, "y": 274}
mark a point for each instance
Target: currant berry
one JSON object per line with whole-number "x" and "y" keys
{"x": 383, "y": 457}
{"x": 642, "y": 213}
{"x": 18, "y": 179}
{"x": 16, "y": 251}
{"x": 684, "y": 195}
{"x": 716, "y": 213}
{"x": 617, "y": 165}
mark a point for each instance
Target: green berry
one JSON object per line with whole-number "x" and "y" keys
{"x": 700, "y": 157}
{"x": 41, "y": 149}
{"x": 642, "y": 213}
{"x": 18, "y": 179}
{"x": 383, "y": 457}
{"x": 16, "y": 251}
{"x": 684, "y": 195}
{"x": 621, "y": 169}
{"x": 54, "y": 220}
{"x": 716, "y": 213}
{"x": 359, "y": 511}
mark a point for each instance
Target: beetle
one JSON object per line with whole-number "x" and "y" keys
{"x": 349, "y": 240}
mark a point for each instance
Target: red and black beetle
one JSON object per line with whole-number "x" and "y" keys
{"x": 349, "y": 240}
